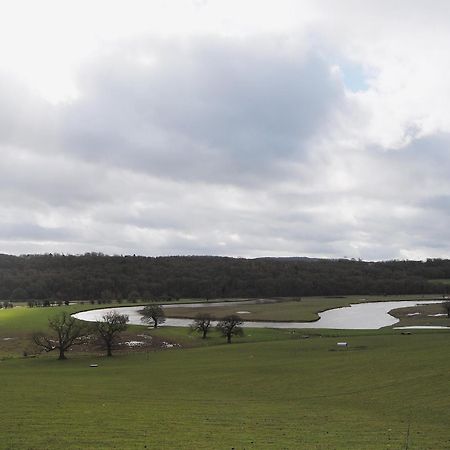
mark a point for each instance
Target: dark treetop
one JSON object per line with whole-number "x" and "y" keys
{"x": 96, "y": 276}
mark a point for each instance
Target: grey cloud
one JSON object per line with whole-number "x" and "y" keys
{"x": 29, "y": 231}
{"x": 32, "y": 176}
{"x": 25, "y": 119}
{"x": 440, "y": 203}
{"x": 215, "y": 111}
{"x": 401, "y": 198}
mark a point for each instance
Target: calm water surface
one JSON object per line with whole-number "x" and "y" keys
{"x": 361, "y": 316}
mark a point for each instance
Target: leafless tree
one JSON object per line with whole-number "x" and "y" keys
{"x": 202, "y": 324}
{"x": 230, "y": 326}
{"x": 67, "y": 332}
{"x": 153, "y": 315}
{"x": 109, "y": 328}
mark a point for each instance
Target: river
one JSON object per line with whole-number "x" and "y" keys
{"x": 360, "y": 316}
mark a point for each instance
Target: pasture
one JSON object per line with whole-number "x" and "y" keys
{"x": 384, "y": 391}
{"x": 272, "y": 389}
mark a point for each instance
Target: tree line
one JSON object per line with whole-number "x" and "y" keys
{"x": 95, "y": 276}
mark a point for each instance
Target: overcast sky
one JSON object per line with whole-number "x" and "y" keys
{"x": 240, "y": 128}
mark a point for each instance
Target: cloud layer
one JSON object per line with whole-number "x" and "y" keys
{"x": 316, "y": 138}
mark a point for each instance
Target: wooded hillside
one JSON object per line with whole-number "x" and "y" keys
{"x": 94, "y": 276}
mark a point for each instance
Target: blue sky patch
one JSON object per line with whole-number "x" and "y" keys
{"x": 354, "y": 77}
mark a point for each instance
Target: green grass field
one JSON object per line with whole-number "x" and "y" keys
{"x": 272, "y": 389}
{"x": 293, "y": 393}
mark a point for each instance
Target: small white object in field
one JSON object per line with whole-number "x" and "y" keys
{"x": 342, "y": 344}
{"x": 133, "y": 343}
{"x": 93, "y": 365}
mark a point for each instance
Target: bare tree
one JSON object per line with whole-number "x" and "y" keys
{"x": 446, "y": 306}
{"x": 153, "y": 315}
{"x": 230, "y": 326}
{"x": 108, "y": 329}
{"x": 202, "y": 324}
{"x": 68, "y": 332}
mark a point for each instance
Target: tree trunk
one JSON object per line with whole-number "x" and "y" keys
{"x": 108, "y": 349}
{"x": 61, "y": 354}
{"x": 228, "y": 338}
{"x": 204, "y": 333}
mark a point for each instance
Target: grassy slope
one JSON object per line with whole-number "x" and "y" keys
{"x": 23, "y": 319}
{"x": 17, "y": 325}
{"x": 270, "y": 389}
{"x": 293, "y": 393}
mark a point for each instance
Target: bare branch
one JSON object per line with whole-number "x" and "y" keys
{"x": 111, "y": 325}
{"x": 68, "y": 332}
{"x": 153, "y": 315}
{"x": 230, "y": 326}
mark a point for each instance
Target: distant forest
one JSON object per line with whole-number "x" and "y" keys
{"x": 96, "y": 276}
